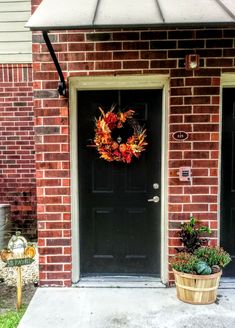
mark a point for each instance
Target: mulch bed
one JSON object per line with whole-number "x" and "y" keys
{"x": 8, "y": 296}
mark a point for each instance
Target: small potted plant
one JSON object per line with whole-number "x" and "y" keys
{"x": 197, "y": 268}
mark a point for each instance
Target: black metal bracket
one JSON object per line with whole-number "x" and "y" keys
{"x": 62, "y": 85}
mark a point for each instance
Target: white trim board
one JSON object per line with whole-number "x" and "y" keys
{"x": 128, "y": 82}
{"x": 228, "y": 80}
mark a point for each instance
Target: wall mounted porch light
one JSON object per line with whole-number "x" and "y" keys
{"x": 192, "y": 62}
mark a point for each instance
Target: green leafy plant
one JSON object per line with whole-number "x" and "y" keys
{"x": 184, "y": 262}
{"x": 204, "y": 261}
{"x": 213, "y": 256}
{"x": 191, "y": 234}
{"x": 11, "y": 319}
{"x": 202, "y": 267}
{"x": 194, "y": 257}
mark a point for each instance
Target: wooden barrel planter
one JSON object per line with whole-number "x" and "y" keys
{"x": 197, "y": 289}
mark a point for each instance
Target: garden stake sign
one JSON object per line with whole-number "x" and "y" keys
{"x": 18, "y": 253}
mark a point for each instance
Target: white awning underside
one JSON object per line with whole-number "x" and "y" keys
{"x": 74, "y": 14}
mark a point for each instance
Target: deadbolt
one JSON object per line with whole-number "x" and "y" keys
{"x": 155, "y": 186}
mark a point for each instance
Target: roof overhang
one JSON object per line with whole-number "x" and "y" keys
{"x": 91, "y": 14}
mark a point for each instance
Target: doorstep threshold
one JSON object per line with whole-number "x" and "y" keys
{"x": 119, "y": 282}
{"x": 227, "y": 283}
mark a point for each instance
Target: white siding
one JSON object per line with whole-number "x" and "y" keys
{"x": 15, "y": 40}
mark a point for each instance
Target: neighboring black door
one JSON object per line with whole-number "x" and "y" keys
{"x": 228, "y": 178}
{"x": 119, "y": 228}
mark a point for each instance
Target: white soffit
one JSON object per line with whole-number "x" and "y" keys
{"x": 73, "y": 14}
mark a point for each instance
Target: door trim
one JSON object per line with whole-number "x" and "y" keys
{"x": 125, "y": 82}
{"x": 227, "y": 81}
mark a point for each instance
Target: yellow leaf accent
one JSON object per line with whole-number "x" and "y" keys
{"x": 102, "y": 112}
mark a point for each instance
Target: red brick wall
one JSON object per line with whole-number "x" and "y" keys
{"x": 17, "y": 150}
{"x": 193, "y": 107}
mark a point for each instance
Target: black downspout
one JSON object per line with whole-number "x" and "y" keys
{"x": 62, "y": 85}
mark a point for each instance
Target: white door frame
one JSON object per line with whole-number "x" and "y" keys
{"x": 125, "y": 82}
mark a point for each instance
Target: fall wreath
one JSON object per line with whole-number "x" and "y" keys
{"x": 113, "y": 149}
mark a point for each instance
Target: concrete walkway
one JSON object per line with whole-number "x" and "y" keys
{"x": 125, "y": 307}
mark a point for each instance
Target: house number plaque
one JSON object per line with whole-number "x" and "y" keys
{"x": 180, "y": 135}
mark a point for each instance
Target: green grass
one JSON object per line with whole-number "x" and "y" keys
{"x": 11, "y": 319}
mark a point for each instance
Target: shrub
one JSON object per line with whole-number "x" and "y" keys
{"x": 205, "y": 260}
{"x": 184, "y": 262}
{"x": 213, "y": 256}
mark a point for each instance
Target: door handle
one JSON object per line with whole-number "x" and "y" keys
{"x": 155, "y": 199}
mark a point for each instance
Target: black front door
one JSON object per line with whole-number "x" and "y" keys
{"x": 228, "y": 178}
{"x": 119, "y": 228}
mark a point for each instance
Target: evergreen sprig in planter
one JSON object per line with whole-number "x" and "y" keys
{"x": 197, "y": 275}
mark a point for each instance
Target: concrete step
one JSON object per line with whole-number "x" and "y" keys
{"x": 120, "y": 282}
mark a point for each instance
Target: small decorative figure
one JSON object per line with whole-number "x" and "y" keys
{"x": 18, "y": 253}
{"x": 5, "y": 255}
{"x": 30, "y": 251}
{"x": 17, "y": 245}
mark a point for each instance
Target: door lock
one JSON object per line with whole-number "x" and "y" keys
{"x": 155, "y": 199}
{"x": 155, "y": 186}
